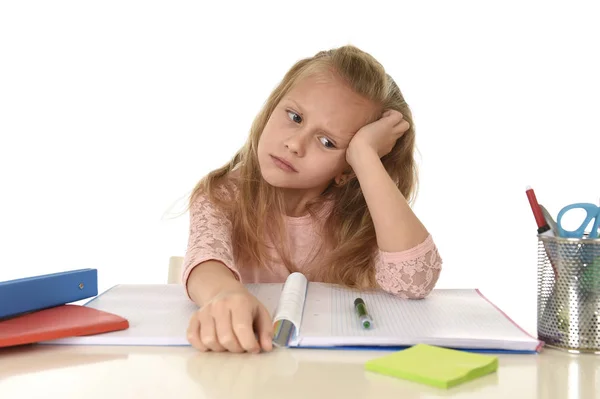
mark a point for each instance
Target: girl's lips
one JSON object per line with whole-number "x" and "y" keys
{"x": 283, "y": 164}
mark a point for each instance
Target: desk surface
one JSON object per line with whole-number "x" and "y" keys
{"x": 44, "y": 371}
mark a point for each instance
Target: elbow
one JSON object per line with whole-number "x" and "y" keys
{"x": 413, "y": 293}
{"x": 411, "y": 286}
{"x": 419, "y": 294}
{"x": 428, "y": 288}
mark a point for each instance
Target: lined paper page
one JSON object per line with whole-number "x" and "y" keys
{"x": 157, "y": 314}
{"x": 460, "y": 318}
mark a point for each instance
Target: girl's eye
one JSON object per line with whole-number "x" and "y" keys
{"x": 294, "y": 117}
{"x": 326, "y": 142}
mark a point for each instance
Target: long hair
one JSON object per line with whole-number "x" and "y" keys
{"x": 257, "y": 208}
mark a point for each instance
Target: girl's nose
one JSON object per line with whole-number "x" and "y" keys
{"x": 295, "y": 144}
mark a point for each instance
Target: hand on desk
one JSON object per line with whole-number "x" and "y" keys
{"x": 231, "y": 321}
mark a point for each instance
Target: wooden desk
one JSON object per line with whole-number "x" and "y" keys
{"x": 44, "y": 371}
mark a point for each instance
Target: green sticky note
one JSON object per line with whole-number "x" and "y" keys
{"x": 433, "y": 365}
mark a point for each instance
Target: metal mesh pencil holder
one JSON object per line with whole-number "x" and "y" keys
{"x": 568, "y": 293}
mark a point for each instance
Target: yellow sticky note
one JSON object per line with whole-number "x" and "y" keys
{"x": 433, "y": 365}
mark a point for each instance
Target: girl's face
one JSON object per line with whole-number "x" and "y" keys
{"x": 303, "y": 145}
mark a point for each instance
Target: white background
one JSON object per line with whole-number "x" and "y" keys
{"x": 111, "y": 111}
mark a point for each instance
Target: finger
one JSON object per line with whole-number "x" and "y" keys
{"x": 397, "y": 118}
{"x": 225, "y": 334}
{"x": 241, "y": 320}
{"x": 193, "y": 333}
{"x": 264, "y": 328}
{"x": 402, "y": 128}
{"x": 208, "y": 333}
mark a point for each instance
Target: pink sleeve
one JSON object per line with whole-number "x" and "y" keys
{"x": 209, "y": 237}
{"x": 409, "y": 274}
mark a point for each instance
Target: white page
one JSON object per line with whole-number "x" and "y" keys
{"x": 458, "y": 318}
{"x": 157, "y": 314}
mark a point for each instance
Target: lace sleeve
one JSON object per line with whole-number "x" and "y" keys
{"x": 209, "y": 237}
{"x": 410, "y": 274}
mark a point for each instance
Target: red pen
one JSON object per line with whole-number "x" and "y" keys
{"x": 541, "y": 222}
{"x": 537, "y": 211}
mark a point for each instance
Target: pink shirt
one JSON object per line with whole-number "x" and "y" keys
{"x": 409, "y": 274}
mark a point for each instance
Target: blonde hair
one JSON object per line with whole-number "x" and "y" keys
{"x": 348, "y": 230}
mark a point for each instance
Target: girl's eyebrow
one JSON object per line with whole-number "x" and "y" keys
{"x": 333, "y": 136}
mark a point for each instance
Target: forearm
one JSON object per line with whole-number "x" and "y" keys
{"x": 208, "y": 280}
{"x": 396, "y": 226}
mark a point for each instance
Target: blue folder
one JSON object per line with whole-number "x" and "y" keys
{"x": 41, "y": 292}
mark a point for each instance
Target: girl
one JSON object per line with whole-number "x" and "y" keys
{"x": 322, "y": 186}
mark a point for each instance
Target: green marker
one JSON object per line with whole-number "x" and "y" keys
{"x": 590, "y": 278}
{"x": 363, "y": 315}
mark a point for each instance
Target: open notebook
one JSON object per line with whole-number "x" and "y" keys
{"x": 324, "y": 317}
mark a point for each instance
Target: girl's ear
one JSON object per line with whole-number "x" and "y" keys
{"x": 340, "y": 180}
{"x": 344, "y": 177}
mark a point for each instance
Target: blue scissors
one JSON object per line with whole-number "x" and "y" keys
{"x": 592, "y": 213}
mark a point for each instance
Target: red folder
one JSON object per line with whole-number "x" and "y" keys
{"x": 58, "y": 322}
